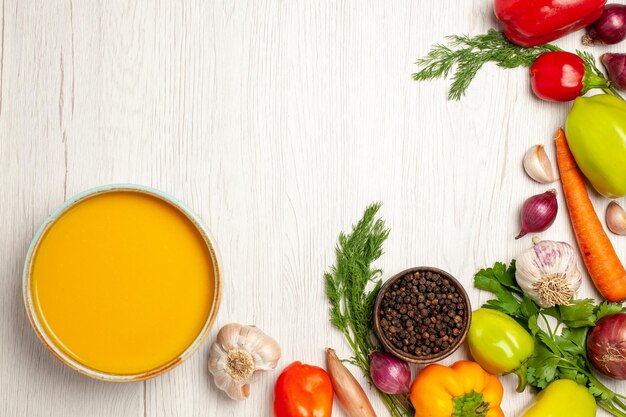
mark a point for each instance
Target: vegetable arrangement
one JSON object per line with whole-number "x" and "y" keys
{"x": 542, "y": 288}
{"x": 560, "y": 349}
{"x": 535, "y": 327}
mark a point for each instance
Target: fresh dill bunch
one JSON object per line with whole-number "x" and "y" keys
{"x": 465, "y": 55}
{"x": 352, "y": 285}
{"x": 351, "y": 303}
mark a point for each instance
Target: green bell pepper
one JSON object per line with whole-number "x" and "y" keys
{"x": 498, "y": 343}
{"x": 596, "y": 134}
{"x": 563, "y": 398}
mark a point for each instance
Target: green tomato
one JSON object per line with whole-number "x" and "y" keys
{"x": 563, "y": 398}
{"x": 497, "y": 342}
{"x": 596, "y": 135}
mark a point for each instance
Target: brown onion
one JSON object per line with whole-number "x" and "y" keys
{"x": 606, "y": 346}
{"x": 538, "y": 213}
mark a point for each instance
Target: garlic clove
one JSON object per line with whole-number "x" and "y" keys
{"x": 616, "y": 218}
{"x": 268, "y": 354}
{"x": 235, "y": 390}
{"x": 538, "y": 166}
{"x": 228, "y": 336}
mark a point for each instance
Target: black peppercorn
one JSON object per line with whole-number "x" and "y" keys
{"x": 422, "y": 314}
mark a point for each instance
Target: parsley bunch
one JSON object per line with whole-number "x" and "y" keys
{"x": 560, "y": 335}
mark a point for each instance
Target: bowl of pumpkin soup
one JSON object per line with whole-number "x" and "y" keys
{"x": 122, "y": 283}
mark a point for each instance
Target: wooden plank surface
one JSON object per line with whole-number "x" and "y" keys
{"x": 277, "y": 122}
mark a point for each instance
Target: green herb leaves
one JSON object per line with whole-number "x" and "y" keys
{"x": 500, "y": 280}
{"x": 560, "y": 334}
{"x": 466, "y": 55}
{"x": 352, "y": 286}
{"x": 351, "y": 304}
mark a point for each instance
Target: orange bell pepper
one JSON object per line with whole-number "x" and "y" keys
{"x": 461, "y": 390}
{"x": 303, "y": 391}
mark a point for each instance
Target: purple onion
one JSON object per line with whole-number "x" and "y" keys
{"x": 610, "y": 27}
{"x": 615, "y": 65}
{"x": 390, "y": 374}
{"x": 606, "y": 346}
{"x": 538, "y": 213}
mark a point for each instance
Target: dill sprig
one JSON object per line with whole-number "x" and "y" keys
{"x": 351, "y": 287}
{"x": 592, "y": 70}
{"x": 467, "y": 54}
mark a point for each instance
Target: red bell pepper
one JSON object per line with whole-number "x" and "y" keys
{"x": 562, "y": 76}
{"x": 303, "y": 391}
{"x": 535, "y": 22}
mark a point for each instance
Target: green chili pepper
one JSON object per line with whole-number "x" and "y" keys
{"x": 563, "y": 398}
{"x": 499, "y": 343}
{"x": 596, "y": 134}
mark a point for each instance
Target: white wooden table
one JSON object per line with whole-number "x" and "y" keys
{"x": 277, "y": 122}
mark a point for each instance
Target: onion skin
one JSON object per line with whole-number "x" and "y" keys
{"x": 390, "y": 374}
{"x": 615, "y": 65}
{"x": 610, "y": 28}
{"x": 606, "y": 346}
{"x": 538, "y": 213}
{"x": 347, "y": 389}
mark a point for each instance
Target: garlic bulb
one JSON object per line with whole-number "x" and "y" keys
{"x": 548, "y": 273}
{"x": 538, "y": 165}
{"x": 237, "y": 354}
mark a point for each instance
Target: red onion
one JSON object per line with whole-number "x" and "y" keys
{"x": 538, "y": 213}
{"x": 610, "y": 28}
{"x": 390, "y": 374}
{"x": 615, "y": 65}
{"x": 606, "y": 346}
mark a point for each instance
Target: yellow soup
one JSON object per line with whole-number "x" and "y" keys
{"x": 123, "y": 282}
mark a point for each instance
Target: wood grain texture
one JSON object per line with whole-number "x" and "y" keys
{"x": 277, "y": 122}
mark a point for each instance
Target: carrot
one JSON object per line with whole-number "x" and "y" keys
{"x": 606, "y": 270}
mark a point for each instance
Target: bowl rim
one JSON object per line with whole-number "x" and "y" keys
{"x": 404, "y": 355}
{"x": 34, "y": 317}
